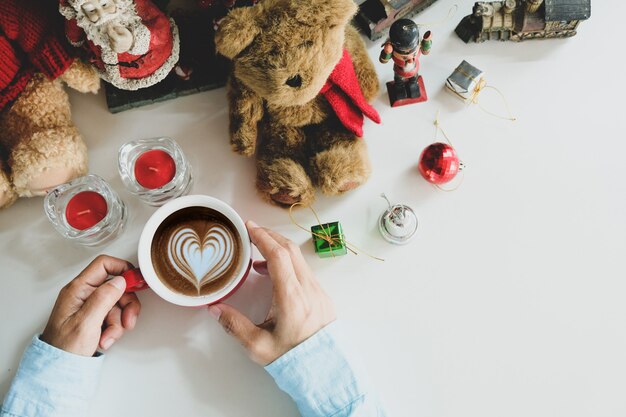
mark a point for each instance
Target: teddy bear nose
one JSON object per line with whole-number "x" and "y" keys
{"x": 295, "y": 81}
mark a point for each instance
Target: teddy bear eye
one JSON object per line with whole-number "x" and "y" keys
{"x": 295, "y": 81}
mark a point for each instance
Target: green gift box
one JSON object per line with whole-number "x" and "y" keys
{"x": 329, "y": 240}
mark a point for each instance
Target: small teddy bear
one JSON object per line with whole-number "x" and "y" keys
{"x": 40, "y": 147}
{"x": 299, "y": 88}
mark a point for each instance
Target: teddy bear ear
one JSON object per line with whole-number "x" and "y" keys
{"x": 237, "y": 30}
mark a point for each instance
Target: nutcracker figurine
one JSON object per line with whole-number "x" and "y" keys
{"x": 405, "y": 48}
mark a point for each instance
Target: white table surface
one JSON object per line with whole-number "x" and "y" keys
{"x": 509, "y": 302}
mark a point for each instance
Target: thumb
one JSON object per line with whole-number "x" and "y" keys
{"x": 103, "y": 299}
{"x": 235, "y": 323}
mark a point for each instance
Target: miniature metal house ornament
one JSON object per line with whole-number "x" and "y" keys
{"x": 375, "y": 17}
{"x": 518, "y": 20}
{"x": 466, "y": 82}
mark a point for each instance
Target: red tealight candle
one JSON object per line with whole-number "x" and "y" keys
{"x": 85, "y": 209}
{"x": 154, "y": 169}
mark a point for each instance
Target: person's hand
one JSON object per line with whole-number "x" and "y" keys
{"x": 91, "y": 311}
{"x": 121, "y": 39}
{"x": 299, "y": 305}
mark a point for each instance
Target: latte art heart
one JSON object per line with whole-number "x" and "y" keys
{"x": 204, "y": 259}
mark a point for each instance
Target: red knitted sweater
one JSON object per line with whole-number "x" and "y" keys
{"x": 31, "y": 39}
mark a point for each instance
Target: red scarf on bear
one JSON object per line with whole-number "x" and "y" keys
{"x": 344, "y": 94}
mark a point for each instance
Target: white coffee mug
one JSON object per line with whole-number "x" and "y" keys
{"x": 146, "y": 266}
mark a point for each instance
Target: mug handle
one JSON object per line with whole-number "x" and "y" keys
{"x": 134, "y": 280}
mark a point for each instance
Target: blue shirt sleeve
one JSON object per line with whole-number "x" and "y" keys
{"x": 52, "y": 383}
{"x": 324, "y": 379}
{"x": 320, "y": 375}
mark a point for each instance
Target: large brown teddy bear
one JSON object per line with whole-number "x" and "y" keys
{"x": 40, "y": 148}
{"x": 299, "y": 87}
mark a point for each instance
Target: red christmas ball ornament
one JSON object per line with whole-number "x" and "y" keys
{"x": 439, "y": 163}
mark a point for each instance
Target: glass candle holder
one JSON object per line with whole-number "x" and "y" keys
{"x": 86, "y": 210}
{"x": 155, "y": 170}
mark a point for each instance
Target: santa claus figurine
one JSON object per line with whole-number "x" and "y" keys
{"x": 132, "y": 44}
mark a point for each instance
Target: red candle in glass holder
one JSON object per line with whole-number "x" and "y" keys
{"x": 85, "y": 209}
{"x": 154, "y": 169}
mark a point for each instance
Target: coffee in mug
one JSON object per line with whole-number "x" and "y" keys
{"x": 196, "y": 251}
{"x": 193, "y": 251}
